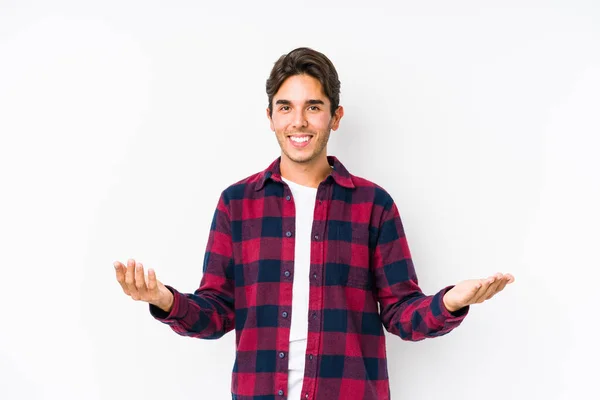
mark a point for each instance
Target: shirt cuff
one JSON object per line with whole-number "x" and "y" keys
{"x": 448, "y": 316}
{"x": 178, "y": 311}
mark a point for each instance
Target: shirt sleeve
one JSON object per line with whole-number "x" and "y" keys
{"x": 208, "y": 313}
{"x": 405, "y": 310}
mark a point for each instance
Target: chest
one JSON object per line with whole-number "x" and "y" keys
{"x": 335, "y": 226}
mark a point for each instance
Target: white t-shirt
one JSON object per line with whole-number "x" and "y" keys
{"x": 304, "y": 201}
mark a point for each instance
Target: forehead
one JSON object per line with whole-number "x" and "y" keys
{"x": 301, "y": 88}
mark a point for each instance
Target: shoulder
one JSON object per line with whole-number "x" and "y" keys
{"x": 360, "y": 190}
{"x": 376, "y": 193}
{"x": 243, "y": 188}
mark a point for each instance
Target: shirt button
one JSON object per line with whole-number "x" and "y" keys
{"x": 281, "y": 355}
{"x": 288, "y": 234}
{"x": 315, "y": 276}
{"x": 314, "y": 315}
{"x": 310, "y": 357}
{"x": 288, "y": 197}
{"x": 306, "y": 396}
{"x": 280, "y": 392}
{"x": 284, "y": 314}
{"x": 287, "y": 273}
{"x": 317, "y": 237}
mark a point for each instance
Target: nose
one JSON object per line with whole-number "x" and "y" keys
{"x": 299, "y": 120}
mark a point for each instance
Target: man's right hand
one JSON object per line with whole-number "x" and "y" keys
{"x": 141, "y": 288}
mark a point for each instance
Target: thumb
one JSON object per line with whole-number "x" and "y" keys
{"x": 476, "y": 285}
{"x": 471, "y": 287}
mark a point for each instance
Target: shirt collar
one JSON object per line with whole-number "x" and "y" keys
{"x": 339, "y": 173}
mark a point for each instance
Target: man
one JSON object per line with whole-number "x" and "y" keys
{"x": 307, "y": 262}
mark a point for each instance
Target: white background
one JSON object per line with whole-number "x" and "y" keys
{"x": 122, "y": 121}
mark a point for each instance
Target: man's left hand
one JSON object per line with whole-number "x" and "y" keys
{"x": 474, "y": 291}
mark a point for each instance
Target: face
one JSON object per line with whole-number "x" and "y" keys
{"x": 301, "y": 119}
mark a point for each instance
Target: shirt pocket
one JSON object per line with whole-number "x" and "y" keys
{"x": 352, "y": 257}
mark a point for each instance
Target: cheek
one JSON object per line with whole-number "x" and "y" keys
{"x": 279, "y": 129}
{"x": 278, "y": 124}
{"x": 321, "y": 122}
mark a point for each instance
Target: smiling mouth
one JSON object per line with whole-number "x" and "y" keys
{"x": 300, "y": 141}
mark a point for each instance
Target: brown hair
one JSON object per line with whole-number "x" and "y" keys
{"x": 304, "y": 60}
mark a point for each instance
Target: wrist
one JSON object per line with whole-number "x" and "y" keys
{"x": 166, "y": 300}
{"x": 451, "y": 308}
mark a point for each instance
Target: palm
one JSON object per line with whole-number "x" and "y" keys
{"x": 140, "y": 287}
{"x": 474, "y": 291}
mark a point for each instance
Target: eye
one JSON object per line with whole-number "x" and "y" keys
{"x": 284, "y": 108}
{"x": 314, "y": 108}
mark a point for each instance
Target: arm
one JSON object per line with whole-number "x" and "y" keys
{"x": 207, "y": 313}
{"x": 405, "y": 310}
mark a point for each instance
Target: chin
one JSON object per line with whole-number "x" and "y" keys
{"x": 299, "y": 159}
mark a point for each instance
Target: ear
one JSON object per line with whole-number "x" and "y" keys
{"x": 337, "y": 116}
{"x": 270, "y": 120}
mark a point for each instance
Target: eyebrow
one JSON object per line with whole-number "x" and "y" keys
{"x": 311, "y": 101}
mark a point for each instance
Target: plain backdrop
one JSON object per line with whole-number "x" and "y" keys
{"x": 122, "y": 121}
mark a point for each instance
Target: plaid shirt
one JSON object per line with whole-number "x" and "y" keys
{"x": 359, "y": 260}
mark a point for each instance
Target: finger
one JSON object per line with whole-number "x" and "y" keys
{"x": 506, "y": 280}
{"x": 476, "y": 287}
{"x": 484, "y": 289}
{"x": 503, "y": 283}
{"x": 152, "y": 283}
{"x": 140, "y": 281}
{"x": 479, "y": 287}
{"x": 120, "y": 272}
{"x": 492, "y": 290}
{"x": 130, "y": 279}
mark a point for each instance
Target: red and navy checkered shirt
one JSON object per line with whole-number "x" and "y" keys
{"x": 360, "y": 260}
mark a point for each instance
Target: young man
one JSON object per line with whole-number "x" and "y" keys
{"x": 307, "y": 262}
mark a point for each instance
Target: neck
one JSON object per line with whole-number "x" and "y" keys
{"x": 309, "y": 174}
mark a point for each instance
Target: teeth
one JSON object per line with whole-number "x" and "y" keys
{"x": 300, "y": 139}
